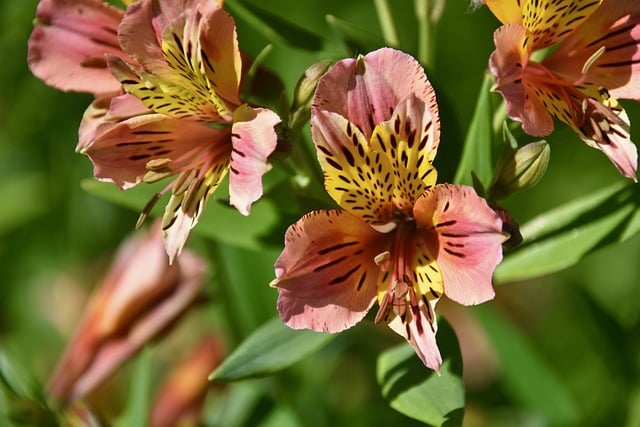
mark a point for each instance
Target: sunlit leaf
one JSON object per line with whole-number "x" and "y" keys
{"x": 273, "y": 27}
{"x": 561, "y": 237}
{"x": 419, "y": 392}
{"x": 478, "y": 144}
{"x": 269, "y": 349}
{"x": 526, "y": 376}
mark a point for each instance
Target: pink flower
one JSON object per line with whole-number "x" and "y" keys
{"x": 140, "y": 298}
{"x": 597, "y": 60}
{"x": 68, "y": 45}
{"x": 399, "y": 238}
{"x": 182, "y": 115}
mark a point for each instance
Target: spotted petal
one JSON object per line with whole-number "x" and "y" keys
{"x": 616, "y": 28}
{"x": 410, "y": 141}
{"x": 367, "y": 90}
{"x": 189, "y": 197}
{"x": 326, "y": 276}
{"x": 507, "y": 11}
{"x": 466, "y": 236}
{"x": 127, "y": 151}
{"x": 68, "y": 45}
{"x": 550, "y": 21}
{"x": 254, "y": 139}
{"x": 358, "y": 179}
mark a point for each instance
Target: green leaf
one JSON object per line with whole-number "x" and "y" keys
{"x": 479, "y": 142}
{"x": 273, "y": 27}
{"x": 269, "y": 349}
{"x": 525, "y": 375}
{"x": 137, "y": 409}
{"x": 218, "y": 221}
{"x": 563, "y": 236}
{"x": 420, "y": 393}
{"x": 355, "y": 39}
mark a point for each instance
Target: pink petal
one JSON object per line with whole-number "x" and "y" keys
{"x": 68, "y": 45}
{"x": 104, "y": 113}
{"x": 616, "y": 27}
{"x": 366, "y": 90}
{"x": 121, "y": 153}
{"x": 421, "y": 334}
{"x": 326, "y": 275}
{"x": 254, "y": 139}
{"x": 466, "y": 234}
{"x": 508, "y": 63}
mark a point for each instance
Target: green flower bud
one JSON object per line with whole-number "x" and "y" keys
{"x": 306, "y": 86}
{"x": 519, "y": 169}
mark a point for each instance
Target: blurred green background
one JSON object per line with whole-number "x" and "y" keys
{"x": 562, "y": 349}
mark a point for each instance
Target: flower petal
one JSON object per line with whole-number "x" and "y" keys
{"x": 467, "y": 240}
{"x": 507, "y": 11}
{"x": 604, "y": 125}
{"x": 358, "y": 179}
{"x": 122, "y": 154}
{"x": 104, "y": 113}
{"x": 326, "y": 275}
{"x": 68, "y": 45}
{"x": 367, "y": 90}
{"x": 188, "y": 199}
{"x": 254, "y": 139}
{"x": 165, "y": 96}
{"x": 419, "y": 328}
{"x": 522, "y": 97}
{"x": 550, "y": 21}
{"x": 616, "y": 27}
{"x": 410, "y": 142}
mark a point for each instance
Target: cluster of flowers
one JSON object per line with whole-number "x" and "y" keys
{"x": 166, "y": 77}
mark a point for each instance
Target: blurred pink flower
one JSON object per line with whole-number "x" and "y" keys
{"x": 140, "y": 297}
{"x": 400, "y": 238}
{"x": 182, "y": 395}
{"x": 596, "y": 60}
{"x": 182, "y": 115}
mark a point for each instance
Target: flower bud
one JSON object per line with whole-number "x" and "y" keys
{"x": 183, "y": 393}
{"x": 306, "y": 86}
{"x": 519, "y": 169}
{"x": 140, "y": 297}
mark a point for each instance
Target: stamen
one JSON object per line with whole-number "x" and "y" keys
{"x": 592, "y": 59}
{"x": 147, "y": 208}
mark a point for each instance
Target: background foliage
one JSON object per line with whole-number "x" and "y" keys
{"x": 558, "y": 346}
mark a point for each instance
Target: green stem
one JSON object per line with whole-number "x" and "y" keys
{"x": 425, "y": 34}
{"x": 386, "y": 22}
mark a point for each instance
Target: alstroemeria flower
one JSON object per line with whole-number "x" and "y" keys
{"x": 140, "y": 297}
{"x": 182, "y": 115}
{"x": 68, "y": 45}
{"x": 400, "y": 238}
{"x": 596, "y": 60}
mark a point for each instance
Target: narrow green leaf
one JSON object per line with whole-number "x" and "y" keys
{"x": 561, "y": 237}
{"x": 355, "y": 39}
{"x": 269, "y": 349}
{"x": 525, "y": 375}
{"x": 420, "y": 393}
{"x": 273, "y": 27}
{"x": 137, "y": 409}
{"x": 478, "y": 144}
